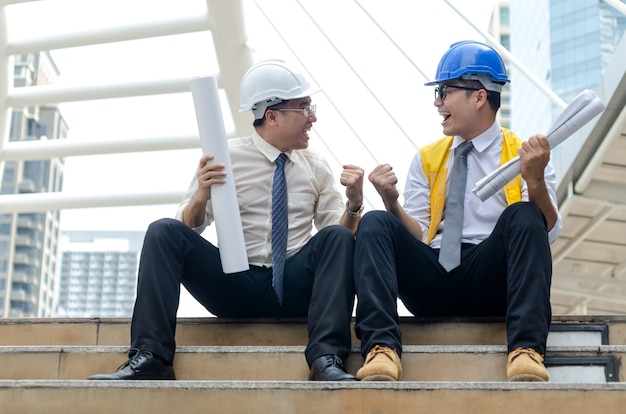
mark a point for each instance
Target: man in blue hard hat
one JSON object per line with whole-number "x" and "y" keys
{"x": 459, "y": 256}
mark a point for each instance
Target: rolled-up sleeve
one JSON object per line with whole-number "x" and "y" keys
{"x": 417, "y": 195}
{"x": 330, "y": 205}
{"x": 208, "y": 215}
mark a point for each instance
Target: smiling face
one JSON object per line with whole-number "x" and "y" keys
{"x": 462, "y": 109}
{"x": 292, "y": 121}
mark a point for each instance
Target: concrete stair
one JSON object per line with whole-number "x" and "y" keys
{"x": 257, "y": 366}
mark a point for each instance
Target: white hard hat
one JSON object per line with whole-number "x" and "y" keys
{"x": 269, "y": 83}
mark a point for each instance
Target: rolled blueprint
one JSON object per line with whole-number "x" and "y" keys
{"x": 581, "y": 110}
{"x": 223, "y": 197}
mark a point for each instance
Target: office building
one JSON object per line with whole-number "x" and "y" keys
{"x": 98, "y": 276}
{"x": 499, "y": 28}
{"x": 29, "y": 241}
{"x": 567, "y": 45}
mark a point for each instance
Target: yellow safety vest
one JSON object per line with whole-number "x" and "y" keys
{"x": 434, "y": 157}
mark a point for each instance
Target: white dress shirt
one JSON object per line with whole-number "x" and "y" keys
{"x": 479, "y": 217}
{"x": 312, "y": 196}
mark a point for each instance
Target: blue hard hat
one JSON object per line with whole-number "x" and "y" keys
{"x": 472, "y": 60}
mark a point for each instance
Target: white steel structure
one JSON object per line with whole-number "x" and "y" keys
{"x": 233, "y": 66}
{"x": 590, "y": 258}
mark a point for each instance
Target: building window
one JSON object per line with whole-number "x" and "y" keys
{"x": 505, "y": 17}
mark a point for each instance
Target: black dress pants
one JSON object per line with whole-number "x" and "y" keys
{"x": 318, "y": 284}
{"x": 508, "y": 274}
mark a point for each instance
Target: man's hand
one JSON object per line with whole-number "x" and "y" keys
{"x": 209, "y": 174}
{"x": 535, "y": 155}
{"x": 352, "y": 178}
{"x": 384, "y": 180}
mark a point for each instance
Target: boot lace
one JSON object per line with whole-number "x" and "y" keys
{"x": 379, "y": 350}
{"x": 134, "y": 357}
{"x": 334, "y": 360}
{"x": 534, "y": 355}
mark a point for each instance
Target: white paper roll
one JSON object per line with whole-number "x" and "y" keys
{"x": 213, "y": 140}
{"x": 583, "y": 108}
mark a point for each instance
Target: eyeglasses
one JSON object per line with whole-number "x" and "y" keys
{"x": 307, "y": 110}
{"x": 442, "y": 91}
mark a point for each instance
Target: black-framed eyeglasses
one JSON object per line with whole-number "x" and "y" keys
{"x": 442, "y": 91}
{"x": 307, "y": 110}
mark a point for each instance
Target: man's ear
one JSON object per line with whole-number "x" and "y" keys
{"x": 482, "y": 94}
{"x": 270, "y": 116}
{"x": 481, "y": 97}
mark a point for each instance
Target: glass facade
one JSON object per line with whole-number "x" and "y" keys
{"x": 28, "y": 259}
{"x": 567, "y": 45}
{"x": 583, "y": 37}
{"x": 98, "y": 274}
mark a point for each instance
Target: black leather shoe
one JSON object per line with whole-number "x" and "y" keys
{"x": 329, "y": 368}
{"x": 142, "y": 365}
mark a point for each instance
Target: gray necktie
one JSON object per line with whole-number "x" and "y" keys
{"x": 279, "y": 226}
{"x": 450, "y": 253}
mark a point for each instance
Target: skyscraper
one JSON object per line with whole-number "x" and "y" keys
{"x": 567, "y": 44}
{"x": 29, "y": 241}
{"x": 583, "y": 38}
{"x": 98, "y": 276}
{"x": 499, "y": 28}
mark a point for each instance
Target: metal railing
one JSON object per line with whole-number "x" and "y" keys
{"x": 12, "y": 97}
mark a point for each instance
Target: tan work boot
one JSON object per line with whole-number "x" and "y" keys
{"x": 381, "y": 364}
{"x": 526, "y": 364}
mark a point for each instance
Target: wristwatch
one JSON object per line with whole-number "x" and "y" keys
{"x": 354, "y": 213}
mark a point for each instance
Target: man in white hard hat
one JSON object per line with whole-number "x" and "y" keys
{"x": 317, "y": 278}
{"x": 459, "y": 256}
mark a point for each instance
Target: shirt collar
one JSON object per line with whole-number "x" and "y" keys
{"x": 267, "y": 149}
{"x": 482, "y": 141}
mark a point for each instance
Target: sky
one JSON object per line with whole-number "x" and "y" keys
{"x": 370, "y": 57}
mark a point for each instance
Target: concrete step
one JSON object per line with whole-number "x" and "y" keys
{"x": 286, "y": 363}
{"x": 258, "y": 366}
{"x": 580, "y": 330}
{"x": 284, "y": 397}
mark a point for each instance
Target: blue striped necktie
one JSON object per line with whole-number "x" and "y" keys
{"x": 450, "y": 253}
{"x": 279, "y": 226}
